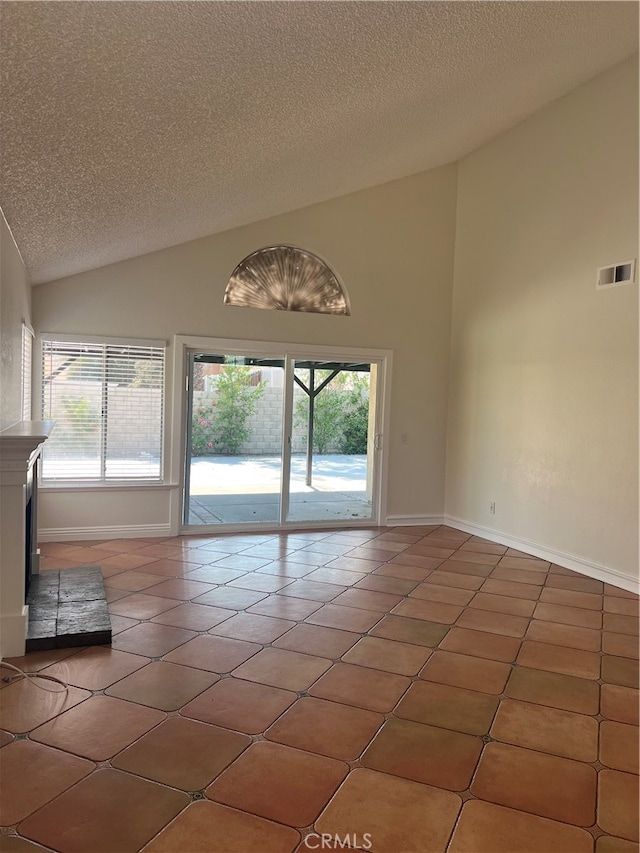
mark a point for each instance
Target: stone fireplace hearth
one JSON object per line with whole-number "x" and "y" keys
{"x": 67, "y": 607}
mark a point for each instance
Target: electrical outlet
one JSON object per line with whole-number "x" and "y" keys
{"x": 404, "y": 438}
{"x": 492, "y": 507}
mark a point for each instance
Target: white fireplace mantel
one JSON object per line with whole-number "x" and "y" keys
{"x": 20, "y": 447}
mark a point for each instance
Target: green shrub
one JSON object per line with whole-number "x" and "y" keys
{"x": 341, "y": 413}
{"x": 355, "y": 429}
{"x": 81, "y": 416}
{"x": 327, "y": 412}
{"x": 235, "y": 403}
{"x": 221, "y": 427}
{"x": 202, "y": 430}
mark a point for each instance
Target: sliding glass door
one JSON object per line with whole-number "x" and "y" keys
{"x": 279, "y": 440}
{"x": 234, "y": 439}
{"x": 328, "y": 473}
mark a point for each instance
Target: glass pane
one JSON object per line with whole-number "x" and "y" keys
{"x": 235, "y": 453}
{"x": 330, "y": 465}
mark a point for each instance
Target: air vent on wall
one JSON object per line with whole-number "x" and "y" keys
{"x": 616, "y": 274}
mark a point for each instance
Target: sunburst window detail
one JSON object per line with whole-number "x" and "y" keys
{"x": 285, "y": 278}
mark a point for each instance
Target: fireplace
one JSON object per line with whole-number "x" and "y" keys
{"x": 55, "y": 609}
{"x": 20, "y": 449}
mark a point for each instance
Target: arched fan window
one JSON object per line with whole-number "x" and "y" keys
{"x": 285, "y": 278}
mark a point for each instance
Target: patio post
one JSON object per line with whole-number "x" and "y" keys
{"x": 312, "y": 398}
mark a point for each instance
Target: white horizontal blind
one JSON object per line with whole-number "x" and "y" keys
{"x": 27, "y": 350}
{"x": 107, "y": 401}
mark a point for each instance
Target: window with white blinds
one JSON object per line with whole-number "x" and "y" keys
{"x": 26, "y": 362}
{"x": 107, "y": 400}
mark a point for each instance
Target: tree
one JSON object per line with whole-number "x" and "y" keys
{"x": 341, "y": 412}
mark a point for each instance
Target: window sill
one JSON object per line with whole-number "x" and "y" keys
{"x": 135, "y": 485}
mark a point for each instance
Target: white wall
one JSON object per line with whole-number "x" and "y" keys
{"x": 543, "y": 410}
{"x": 15, "y": 306}
{"x": 391, "y": 245}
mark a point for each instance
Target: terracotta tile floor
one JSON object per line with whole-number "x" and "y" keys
{"x": 409, "y": 689}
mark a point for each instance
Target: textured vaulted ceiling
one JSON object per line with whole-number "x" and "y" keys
{"x": 131, "y": 126}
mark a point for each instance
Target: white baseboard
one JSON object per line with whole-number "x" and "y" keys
{"x": 413, "y": 520}
{"x": 568, "y": 561}
{"x": 79, "y": 534}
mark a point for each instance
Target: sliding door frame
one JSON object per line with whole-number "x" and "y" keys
{"x": 183, "y": 345}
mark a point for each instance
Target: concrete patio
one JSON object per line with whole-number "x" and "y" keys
{"x": 237, "y": 489}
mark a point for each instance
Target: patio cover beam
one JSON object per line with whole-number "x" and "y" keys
{"x": 251, "y": 361}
